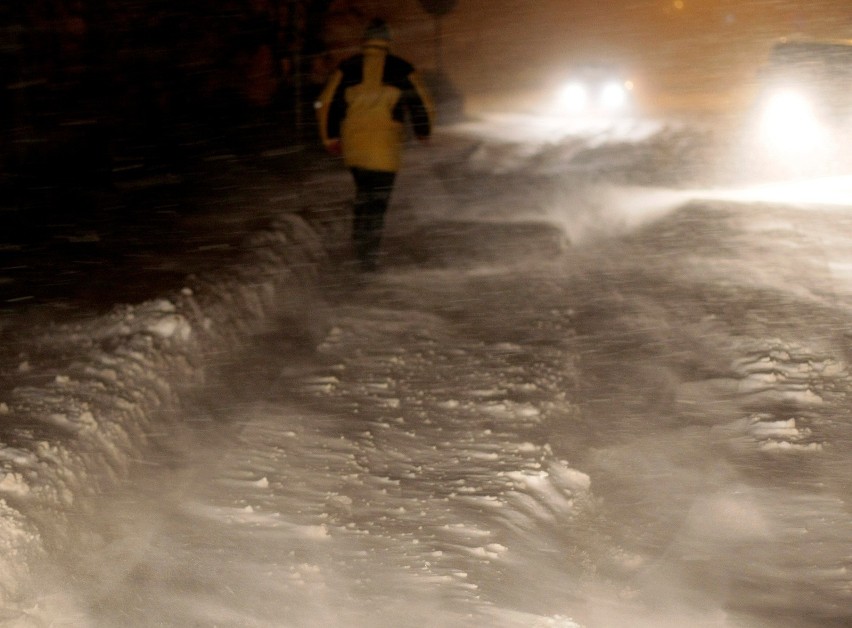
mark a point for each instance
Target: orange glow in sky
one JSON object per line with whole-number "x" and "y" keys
{"x": 704, "y": 52}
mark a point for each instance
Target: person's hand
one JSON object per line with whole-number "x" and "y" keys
{"x": 334, "y": 148}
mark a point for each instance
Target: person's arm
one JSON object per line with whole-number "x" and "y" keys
{"x": 421, "y": 106}
{"x": 329, "y": 113}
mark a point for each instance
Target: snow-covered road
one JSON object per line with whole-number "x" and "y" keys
{"x": 577, "y": 395}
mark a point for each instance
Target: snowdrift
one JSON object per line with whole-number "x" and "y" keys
{"x": 97, "y": 390}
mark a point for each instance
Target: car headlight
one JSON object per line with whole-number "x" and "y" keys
{"x": 574, "y": 97}
{"x": 789, "y": 123}
{"x": 613, "y": 96}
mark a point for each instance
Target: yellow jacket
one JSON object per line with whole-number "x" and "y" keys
{"x": 365, "y": 103}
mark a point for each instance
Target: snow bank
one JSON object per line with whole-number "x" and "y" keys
{"x": 97, "y": 390}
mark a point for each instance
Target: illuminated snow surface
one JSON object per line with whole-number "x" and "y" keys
{"x": 588, "y": 388}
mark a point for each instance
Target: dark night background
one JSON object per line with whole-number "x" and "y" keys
{"x": 90, "y": 83}
{"x": 120, "y": 118}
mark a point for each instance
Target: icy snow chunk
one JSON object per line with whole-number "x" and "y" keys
{"x": 465, "y": 530}
{"x": 483, "y": 455}
{"x": 492, "y": 551}
{"x": 832, "y": 369}
{"x": 14, "y": 483}
{"x": 528, "y": 411}
{"x": 788, "y": 446}
{"x": 61, "y": 420}
{"x": 87, "y": 419}
{"x": 770, "y": 429}
{"x": 782, "y": 435}
{"x": 767, "y": 378}
{"x": 570, "y": 478}
{"x": 487, "y": 393}
{"x": 17, "y": 456}
{"x": 169, "y": 327}
{"x": 321, "y": 384}
{"x": 83, "y": 420}
{"x": 109, "y": 375}
{"x": 160, "y": 305}
{"x": 805, "y": 396}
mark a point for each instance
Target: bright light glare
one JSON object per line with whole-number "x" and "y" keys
{"x": 613, "y": 96}
{"x": 836, "y": 191}
{"x": 790, "y": 126}
{"x": 573, "y": 97}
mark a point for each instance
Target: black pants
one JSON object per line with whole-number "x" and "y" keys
{"x": 371, "y": 202}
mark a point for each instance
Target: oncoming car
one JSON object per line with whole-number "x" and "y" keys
{"x": 595, "y": 91}
{"x": 803, "y": 113}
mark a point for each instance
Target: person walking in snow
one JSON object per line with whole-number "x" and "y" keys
{"x": 361, "y": 114}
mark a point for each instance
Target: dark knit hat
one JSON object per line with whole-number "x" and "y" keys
{"x": 377, "y": 29}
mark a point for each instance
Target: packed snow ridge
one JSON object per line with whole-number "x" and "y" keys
{"x": 98, "y": 389}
